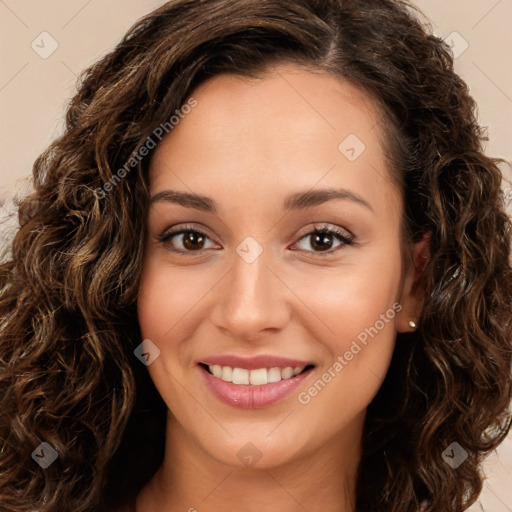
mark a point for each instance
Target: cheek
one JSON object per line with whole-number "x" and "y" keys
{"x": 346, "y": 301}
{"x": 357, "y": 308}
{"x": 168, "y": 295}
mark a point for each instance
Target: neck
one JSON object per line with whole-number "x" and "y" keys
{"x": 191, "y": 480}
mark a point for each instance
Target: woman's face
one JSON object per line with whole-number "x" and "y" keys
{"x": 255, "y": 291}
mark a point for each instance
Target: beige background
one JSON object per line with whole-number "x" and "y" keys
{"x": 33, "y": 92}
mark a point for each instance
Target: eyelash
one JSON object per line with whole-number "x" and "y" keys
{"x": 342, "y": 235}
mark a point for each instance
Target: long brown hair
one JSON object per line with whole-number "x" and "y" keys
{"x": 68, "y": 291}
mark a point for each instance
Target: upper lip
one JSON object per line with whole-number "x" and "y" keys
{"x": 254, "y": 362}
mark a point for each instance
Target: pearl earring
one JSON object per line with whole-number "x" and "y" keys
{"x": 412, "y": 324}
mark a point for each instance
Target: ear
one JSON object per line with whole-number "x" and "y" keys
{"x": 412, "y": 292}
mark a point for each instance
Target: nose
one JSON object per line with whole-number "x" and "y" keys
{"x": 252, "y": 300}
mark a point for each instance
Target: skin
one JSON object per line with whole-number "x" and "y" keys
{"x": 248, "y": 144}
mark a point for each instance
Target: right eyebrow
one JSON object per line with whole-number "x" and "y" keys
{"x": 186, "y": 199}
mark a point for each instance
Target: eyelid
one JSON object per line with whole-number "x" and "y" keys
{"x": 321, "y": 227}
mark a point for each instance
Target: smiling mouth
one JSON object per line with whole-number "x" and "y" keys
{"x": 254, "y": 377}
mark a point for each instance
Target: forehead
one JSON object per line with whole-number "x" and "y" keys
{"x": 290, "y": 128}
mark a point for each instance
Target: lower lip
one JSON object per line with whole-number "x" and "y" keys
{"x": 252, "y": 397}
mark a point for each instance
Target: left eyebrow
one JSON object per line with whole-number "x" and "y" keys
{"x": 311, "y": 198}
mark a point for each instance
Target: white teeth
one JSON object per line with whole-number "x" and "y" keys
{"x": 286, "y": 373}
{"x": 274, "y": 375}
{"x": 227, "y": 373}
{"x": 240, "y": 376}
{"x": 257, "y": 377}
{"x": 216, "y": 370}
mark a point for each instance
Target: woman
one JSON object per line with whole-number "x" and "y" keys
{"x": 266, "y": 267}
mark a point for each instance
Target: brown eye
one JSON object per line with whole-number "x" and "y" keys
{"x": 324, "y": 239}
{"x": 193, "y": 240}
{"x": 321, "y": 241}
{"x": 185, "y": 240}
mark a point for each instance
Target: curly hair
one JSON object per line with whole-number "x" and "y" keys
{"x": 68, "y": 289}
